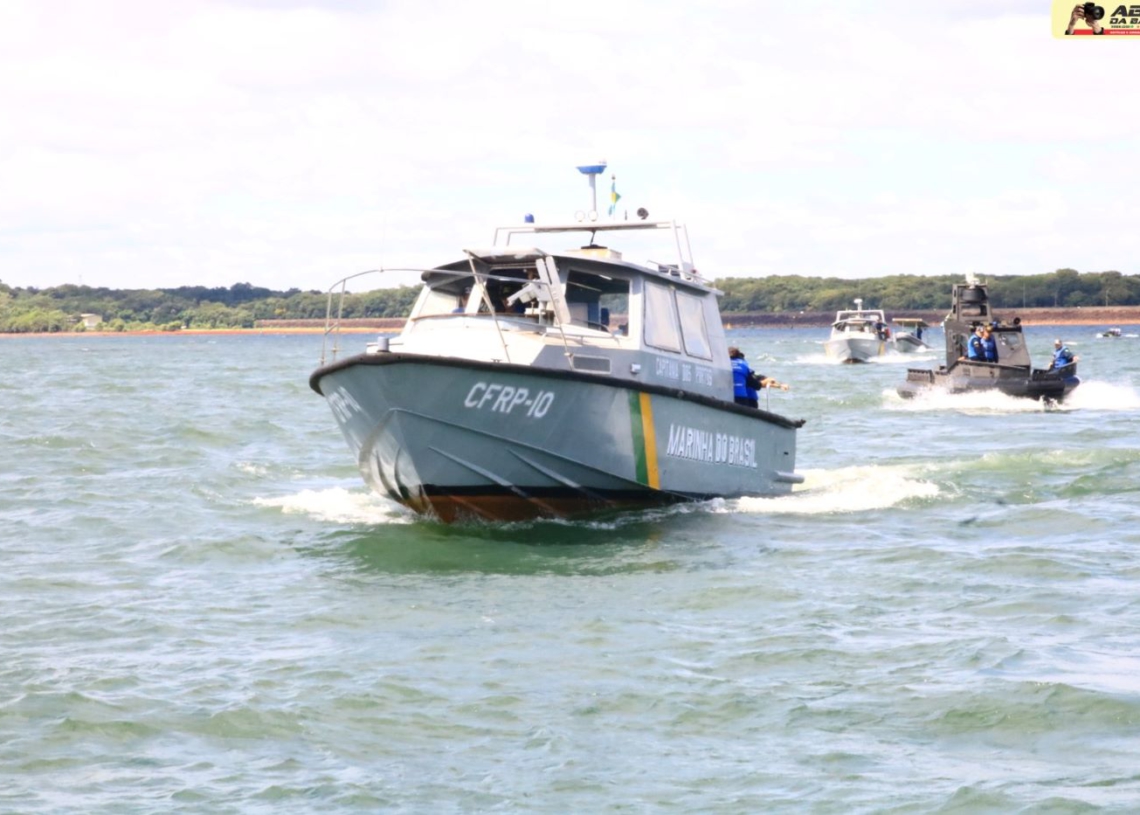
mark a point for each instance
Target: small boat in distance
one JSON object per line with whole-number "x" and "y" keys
{"x": 508, "y": 395}
{"x": 907, "y": 336}
{"x": 857, "y": 334}
{"x": 1012, "y": 374}
{"x": 1111, "y": 332}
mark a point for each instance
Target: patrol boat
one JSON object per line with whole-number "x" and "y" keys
{"x": 907, "y": 338}
{"x": 857, "y": 335}
{"x": 510, "y": 395}
{"x": 1012, "y": 374}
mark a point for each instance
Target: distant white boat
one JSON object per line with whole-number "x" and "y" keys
{"x": 1111, "y": 332}
{"x": 857, "y": 334}
{"x": 907, "y": 336}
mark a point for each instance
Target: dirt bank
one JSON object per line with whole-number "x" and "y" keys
{"x": 1092, "y": 315}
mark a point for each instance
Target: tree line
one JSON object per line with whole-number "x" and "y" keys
{"x": 28, "y": 310}
{"x": 1064, "y": 288}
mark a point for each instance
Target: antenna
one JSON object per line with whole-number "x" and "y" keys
{"x": 593, "y": 171}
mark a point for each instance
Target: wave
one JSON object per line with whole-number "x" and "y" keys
{"x": 340, "y": 506}
{"x": 1105, "y": 396}
{"x": 888, "y": 358}
{"x": 844, "y": 490}
{"x": 973, "y": 402}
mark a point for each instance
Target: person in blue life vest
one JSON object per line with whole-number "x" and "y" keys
{"x": 975, "y": 349}
{"x": 746, "y": 383}
{"x": 989, "y": 345}
{"x": 1062, "y": 356}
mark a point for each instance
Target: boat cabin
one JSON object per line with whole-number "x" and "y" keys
{"x": 860, "y": 320}
{"x": 970, "y": 308}
{"x": 582, "y": 309}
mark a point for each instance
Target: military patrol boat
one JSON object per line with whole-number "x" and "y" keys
{"x": 509, "y": 395}
{"x": 1012, "y": 374}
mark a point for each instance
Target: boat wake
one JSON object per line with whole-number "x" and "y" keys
{"x": 844, "y": 490}
{"x": 972, "y": 402}
{"x": 889, "y": 358}
{"x": 1103, "y": 396}
{"x": 339, "y": 505}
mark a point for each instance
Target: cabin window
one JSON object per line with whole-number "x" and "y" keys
{"x": 594, "y": 299}
{"x": 442, "y": 300}
{"x": 693, "y": 328}
{"x": 661, "y": 330}
{"x": 1010, "y": 340}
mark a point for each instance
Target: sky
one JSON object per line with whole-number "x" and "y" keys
{"x": 288, "y": 144}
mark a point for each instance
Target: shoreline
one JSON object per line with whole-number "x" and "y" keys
{"x": 1093, "y": 316}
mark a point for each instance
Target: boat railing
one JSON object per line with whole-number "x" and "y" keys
{"x": 684, "y": 268}
{"x": 338, "y": 292}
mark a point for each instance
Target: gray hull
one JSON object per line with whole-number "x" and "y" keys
{"x": 909, "y": 344}
{"x": 457, "y": 438}
{"x": 967, "y": 377}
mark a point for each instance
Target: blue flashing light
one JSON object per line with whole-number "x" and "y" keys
{"x": 528, "y": 219}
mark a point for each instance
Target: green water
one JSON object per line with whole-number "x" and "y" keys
{"x": 204, "y": 610}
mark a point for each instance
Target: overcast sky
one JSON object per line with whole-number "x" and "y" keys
{"x": 156, "y": 144}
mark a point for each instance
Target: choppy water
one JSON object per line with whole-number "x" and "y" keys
{"x": 204, "y": 611}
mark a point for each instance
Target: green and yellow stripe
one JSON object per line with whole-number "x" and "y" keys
{"x": 644, "y": 439}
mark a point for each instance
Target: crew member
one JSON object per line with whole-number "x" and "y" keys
{"x": 975, "y": 349}
{"x": 989, "y": 345}
{"x": 746, "y": 383}
{"x": 1062, "y": 356}
{"x": 743, "y": 380}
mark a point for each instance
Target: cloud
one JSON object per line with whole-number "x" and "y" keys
{"x": 290, "y": 143}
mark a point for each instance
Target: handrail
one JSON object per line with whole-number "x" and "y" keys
{"x": 332, "y": 327}
{"x": 339, "y": 290}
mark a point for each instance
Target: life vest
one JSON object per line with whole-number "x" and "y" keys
{"x": 975, "y": 349}
{"x": 740, "y": 372}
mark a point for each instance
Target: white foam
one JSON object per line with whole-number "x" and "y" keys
{"x": 938, "y": 399}
{"x": 1102, "y": 396}
{"x": 844, "y": 490}
{"x": 340, "y": 506}
{"x": 889, "y": 357}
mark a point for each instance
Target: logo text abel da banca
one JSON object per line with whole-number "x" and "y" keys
{"x": 1126, "y": 15}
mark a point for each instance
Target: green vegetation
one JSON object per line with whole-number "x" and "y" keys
{"x": 58, "y": 309}
{"x": 27, "y": 310}
{"x": 1064, "y": 288}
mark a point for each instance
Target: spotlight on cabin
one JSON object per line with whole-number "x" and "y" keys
{"x": 642, "y": 213}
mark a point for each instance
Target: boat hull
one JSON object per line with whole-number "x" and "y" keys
{"x": 908, "y": 344}
{"x": 460, "y": 439}
{"x": 967, "y": 377}
{"x": 854, "y": 349}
